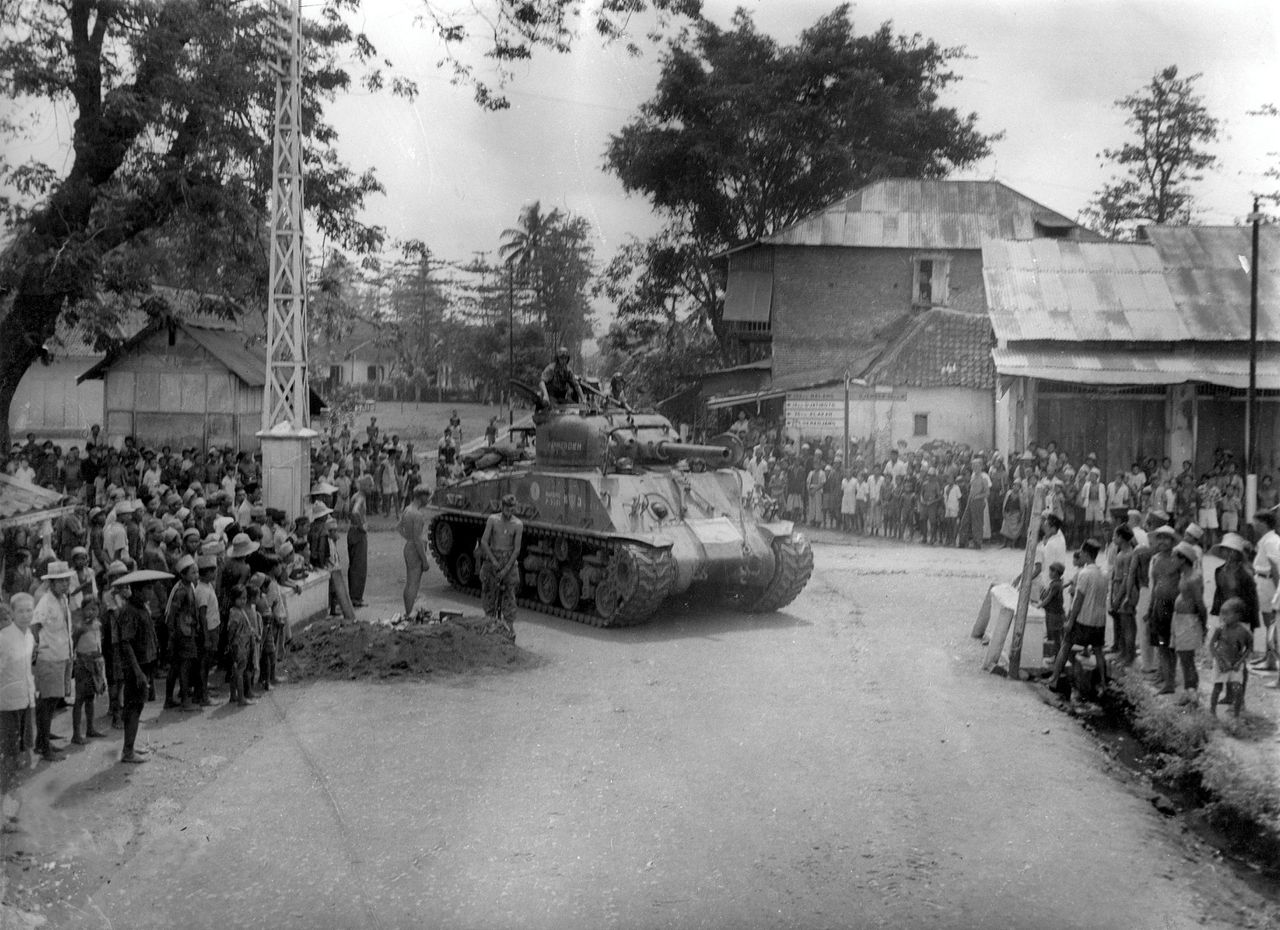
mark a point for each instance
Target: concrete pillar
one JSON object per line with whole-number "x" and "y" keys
{"x": 286, "y": 468}
{"x": 1180, "y": 424}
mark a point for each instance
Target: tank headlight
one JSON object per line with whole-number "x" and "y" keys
{"x": 659, "y": 510}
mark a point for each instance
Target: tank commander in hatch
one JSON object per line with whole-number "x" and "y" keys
{"x": 559, "y": 385}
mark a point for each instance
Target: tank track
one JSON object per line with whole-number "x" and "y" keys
{"x": 649, "y": 573}
{"x": 794, "y": 566}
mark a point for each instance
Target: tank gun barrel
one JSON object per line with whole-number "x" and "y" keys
{"x": 670, "y": 451}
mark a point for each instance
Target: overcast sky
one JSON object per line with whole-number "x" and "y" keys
{"x": 1045, "y": 72}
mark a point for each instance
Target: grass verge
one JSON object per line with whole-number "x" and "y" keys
{"x": 1189, "y": 750}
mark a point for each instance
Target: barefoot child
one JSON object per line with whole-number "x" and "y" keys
{"x": 89, "y": 671}
{"x": 1230, "y": 646}
{"x": 239, "y": 645}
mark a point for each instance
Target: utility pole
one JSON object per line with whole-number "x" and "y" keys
{"x": 511, "y": 343}
{"x": 286, "y": 412}
{"x": 1251, "y": 401}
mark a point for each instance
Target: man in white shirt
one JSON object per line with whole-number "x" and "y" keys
{"x": 1266, "y": 573}
{"x": 895, "y": 467}
{"x": 51, "y": 625}
{"x": 17, "y": 690}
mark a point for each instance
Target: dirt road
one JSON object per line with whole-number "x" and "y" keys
{"x": 842, "y": 764}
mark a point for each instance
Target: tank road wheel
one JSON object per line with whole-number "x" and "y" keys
{"x": 548, "y": 586}
{"x": 794, "y": 566}
{"x": 607, "y": 601}
{"x": 570, "y": 591}
{"x": 625, "y": 573}
{"x": 566, "y": 550}
{"x": 464, "y": 569}
{"x": 442, "y": 533}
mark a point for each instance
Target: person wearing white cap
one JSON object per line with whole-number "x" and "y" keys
{"x": 84, "y": 585}
{"x": 115, "y": 538}
{"x": 1166, "y": 573}
{"x": 51, "y": 625}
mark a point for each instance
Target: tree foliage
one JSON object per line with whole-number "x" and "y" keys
{"x": 1168, "y": 154}
{"x": 168, "y": 168}
{"x": 510, "y": 31}
{"x": 744, "y": 136}
{"x": 551, "y": 258}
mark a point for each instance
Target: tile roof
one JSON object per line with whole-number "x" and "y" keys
{"x": 941, "y": 348}
{"x": 1185, "y": 284}
{"x": 22, "y": 503}
{"x": 925, "y": 214}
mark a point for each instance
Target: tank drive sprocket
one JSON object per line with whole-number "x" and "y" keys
{"x": 794, "y": 565}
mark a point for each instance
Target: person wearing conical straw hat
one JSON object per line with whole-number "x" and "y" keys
{"x": 135, "y": 647}
{"x": 51, "y": 626}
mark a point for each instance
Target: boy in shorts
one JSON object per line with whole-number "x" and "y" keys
{"x": 1230, "y": 646}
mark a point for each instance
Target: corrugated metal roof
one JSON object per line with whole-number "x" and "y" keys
{"x": 924, "y": 214}
{"x": 1228, "y": 367}
{"x": 249, "y": 364}
{"x": 1185, "y": 285}
{"x": 22, "y": 503}
{"x": 1210, "y": 285}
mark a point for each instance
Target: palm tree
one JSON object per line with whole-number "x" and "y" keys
{"x": 522, "y": 246}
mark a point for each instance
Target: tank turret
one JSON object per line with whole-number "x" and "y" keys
{"x": 620, "y": 515}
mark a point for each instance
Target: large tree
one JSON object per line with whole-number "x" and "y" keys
{"x": 1172, "y": 130}
{"x": 744, "y": 135}
{"x": 166, "y": 173}
{"x": 168, "y": 168}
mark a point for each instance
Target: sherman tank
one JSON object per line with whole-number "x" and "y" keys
{"x": 620, "y": 517}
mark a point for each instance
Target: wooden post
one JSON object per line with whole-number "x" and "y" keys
{"x": 984, "y": 615}
{"x": 1024, "y": 584}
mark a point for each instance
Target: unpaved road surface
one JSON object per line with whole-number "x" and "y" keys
{"x": 844, "y": 763}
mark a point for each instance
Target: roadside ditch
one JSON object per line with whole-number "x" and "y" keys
{"x": 1184, "y": 759}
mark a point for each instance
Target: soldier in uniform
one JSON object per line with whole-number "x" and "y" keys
{"x": 500, "y": 571}
{"x": 559, "y": 385}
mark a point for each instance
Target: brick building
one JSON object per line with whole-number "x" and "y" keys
{"x": 1136, "y": 349}
{"x": 883, "y": 287}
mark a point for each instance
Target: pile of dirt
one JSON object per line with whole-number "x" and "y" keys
{"x": 360, "y": 649}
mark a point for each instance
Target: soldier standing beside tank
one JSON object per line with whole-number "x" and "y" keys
{"x": 500, "y": 573}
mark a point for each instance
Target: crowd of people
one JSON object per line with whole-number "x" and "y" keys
{"x": 1147, "y": 578}
{"x": 166, "y": 567}
{"x": 950, "y": 495}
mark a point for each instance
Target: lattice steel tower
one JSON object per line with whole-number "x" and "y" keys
{"x": 286, "y": 414}
{"x": 286, "y": 393}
